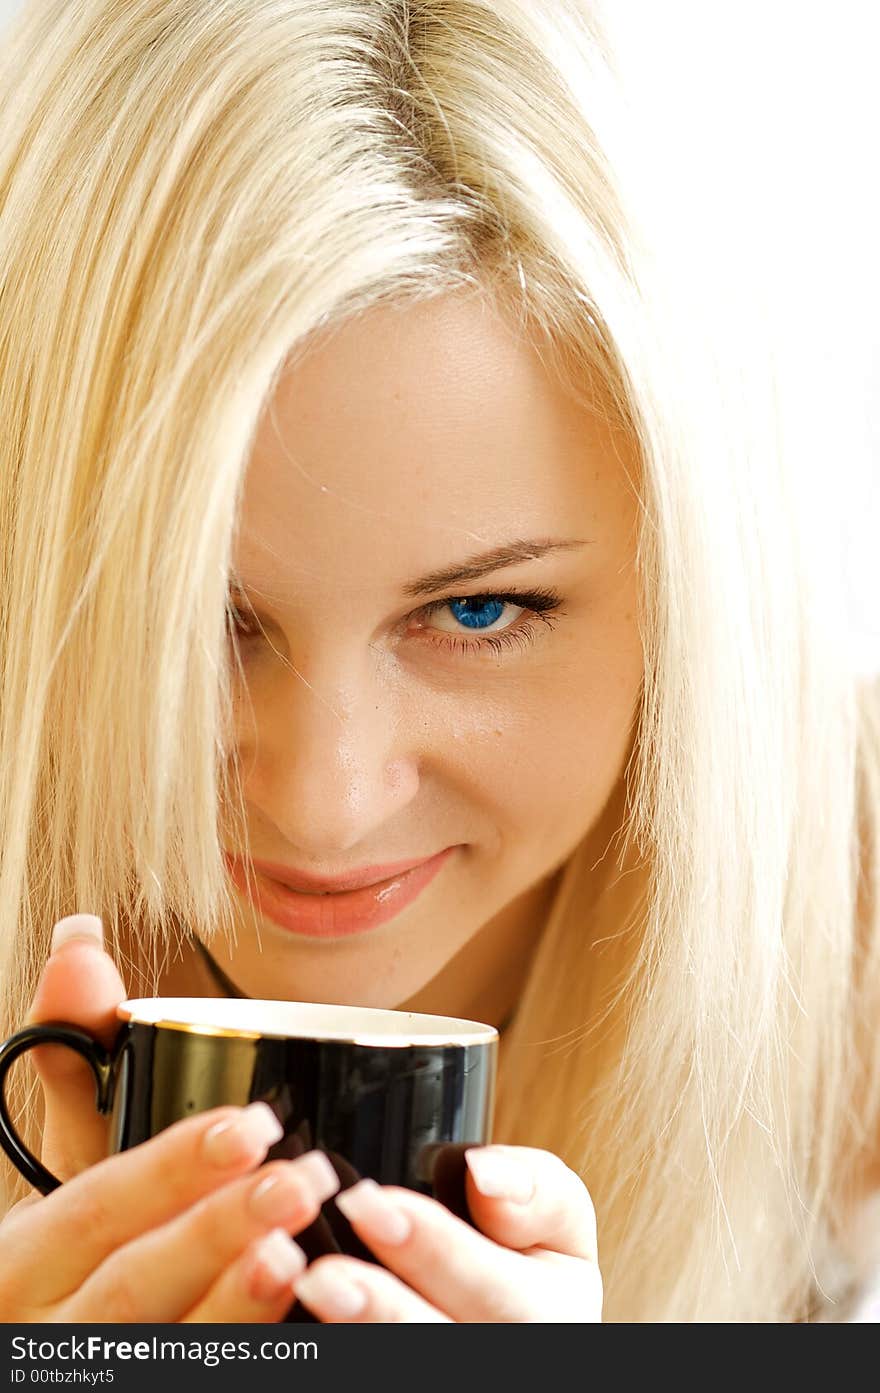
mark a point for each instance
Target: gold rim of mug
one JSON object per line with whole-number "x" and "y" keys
{"x": 198, "y": 1029}
{"x": 384, "y": 1041}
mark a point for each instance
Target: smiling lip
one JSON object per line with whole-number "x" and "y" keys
{"x": 334, "y": 914}
{"x": 325, "y": 885}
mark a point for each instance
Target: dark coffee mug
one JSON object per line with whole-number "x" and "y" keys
{"x": 393, "y": 1095}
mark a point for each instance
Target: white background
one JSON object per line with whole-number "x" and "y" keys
{"x": 812, "y": 67}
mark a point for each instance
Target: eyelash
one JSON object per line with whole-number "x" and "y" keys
{"x": 543, "y": 606}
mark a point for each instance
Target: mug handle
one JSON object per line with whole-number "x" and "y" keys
{"x": 101, "y": 1064}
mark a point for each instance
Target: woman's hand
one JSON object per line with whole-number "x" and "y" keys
{"x": 535, "y": 1258}
{"x": 176, "y": 1229}
{"x": 183, "y": 1227}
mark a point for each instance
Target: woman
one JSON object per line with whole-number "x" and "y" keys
{"x": 393, "y": 467}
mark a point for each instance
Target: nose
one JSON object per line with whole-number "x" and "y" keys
{"x": 326, "y": 769}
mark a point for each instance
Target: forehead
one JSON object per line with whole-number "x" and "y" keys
{"x": 409, "y": 436}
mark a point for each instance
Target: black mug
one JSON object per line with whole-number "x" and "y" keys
{"x": 394, "y": 1095}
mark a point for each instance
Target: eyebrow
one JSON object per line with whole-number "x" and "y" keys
{"x": 483, "y": 564}
{"x": 474, "y": 567}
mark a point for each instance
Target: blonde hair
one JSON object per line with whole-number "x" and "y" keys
{"x": 188, "y": 192}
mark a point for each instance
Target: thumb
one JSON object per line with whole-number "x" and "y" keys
{"x": 530, "y": 1199}
{"x": 81, "y": 986}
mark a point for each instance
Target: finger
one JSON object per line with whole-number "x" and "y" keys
{"x": 64, "y": 1237}
{"x": 24, "y": 1204}
{"x": 523, "y": 1197}
{"x": 341, "y": 1289}
{"x": 163, "y": 1274}
{"x": 448, "y": 1262}
{"x": 321, "y": 1237}
{"x": 257, "y": 1288}
{"x": 80, "y": 984}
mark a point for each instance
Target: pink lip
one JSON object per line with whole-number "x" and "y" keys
{"x": 327, "y": 885}
{"x": 335, "y": 914}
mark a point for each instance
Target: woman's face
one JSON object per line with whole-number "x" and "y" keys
{"x": 389, "y": 712}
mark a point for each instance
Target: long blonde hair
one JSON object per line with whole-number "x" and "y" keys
{"x": 189, "y": 189}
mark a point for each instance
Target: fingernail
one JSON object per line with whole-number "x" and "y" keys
{"x": 238, "y": 1138}
{"x": 497, "y": 1175}
{"x": 317, "y": 1170}
{"x": 329, "y": 1292}
{"x": 277, "y": 1197}
{"x": 285, "y": 1192}
{"x": 87, "y": 927}
{"x": 375, "y": 1213}
{"x": 279, "y": 1262}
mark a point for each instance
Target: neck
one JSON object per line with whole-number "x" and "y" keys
{"x": 225, "y": 984}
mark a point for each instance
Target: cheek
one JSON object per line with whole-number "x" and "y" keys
{"x": 544, "y": 761}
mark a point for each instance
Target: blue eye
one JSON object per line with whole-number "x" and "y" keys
{"x": 473, "y": 613}
{"x": 476, "y": 615}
